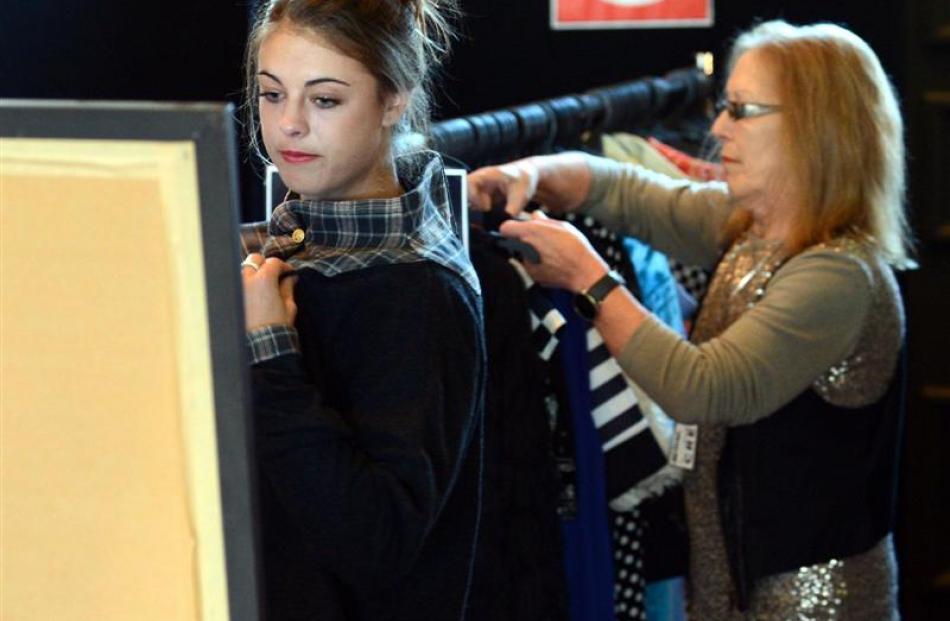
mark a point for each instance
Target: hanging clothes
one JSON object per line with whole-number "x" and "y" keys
{"x": 587, "y": 546}
{"x": 658, "y": 523}
{"x": 634, "y": 437}
{"x": 519, "y": 569}
{"x": 635, "y": 434}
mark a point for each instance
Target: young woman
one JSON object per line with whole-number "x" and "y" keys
{"x": 368, "y": 361}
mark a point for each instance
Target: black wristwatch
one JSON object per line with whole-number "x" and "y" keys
{"x": 587, "y": 303}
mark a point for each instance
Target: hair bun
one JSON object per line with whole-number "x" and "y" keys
{"x": 432, "y": 18}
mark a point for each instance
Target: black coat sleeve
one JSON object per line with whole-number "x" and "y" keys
{"x": 361, "y": 438}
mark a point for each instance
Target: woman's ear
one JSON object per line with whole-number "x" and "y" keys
{"x": 395, "y": 105}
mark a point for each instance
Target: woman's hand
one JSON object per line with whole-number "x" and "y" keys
{"x": 267, "y": 299}
{"x": 567, "y": 259}
{"x": 514, "y": 184}
{"x": 560, "y": 183}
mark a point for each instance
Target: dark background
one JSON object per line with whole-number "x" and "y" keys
{"x": 190, "y": 51}
{"x": 506, "y": 53}
{"x": 112, "y": 49}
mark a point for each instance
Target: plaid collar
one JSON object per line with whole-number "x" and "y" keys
{"x": 334, "y": 237}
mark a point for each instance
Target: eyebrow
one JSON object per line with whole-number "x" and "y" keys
{"x": 741, "y": 94}
{"x": 308, "y": 82}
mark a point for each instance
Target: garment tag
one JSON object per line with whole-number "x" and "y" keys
{"x": 683, "y": 454}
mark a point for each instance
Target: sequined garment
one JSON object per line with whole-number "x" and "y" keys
{"x": 858, "y": 587}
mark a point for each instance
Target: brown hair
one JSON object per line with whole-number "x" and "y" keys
{"x": 398, "y": 41}
{"x": 845, "y": 134}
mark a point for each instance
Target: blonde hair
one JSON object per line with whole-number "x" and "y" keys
{"x": 398, "y": 41}
{"x": 845, "y": 134}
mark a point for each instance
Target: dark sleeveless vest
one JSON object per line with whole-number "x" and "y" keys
{"x": 810, "y": 483}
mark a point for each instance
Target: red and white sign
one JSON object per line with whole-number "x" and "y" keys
{"x": 577, "y": 14}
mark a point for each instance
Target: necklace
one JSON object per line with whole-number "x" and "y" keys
{"x": 745, "y": 280}
{"x": 764, "y": 261}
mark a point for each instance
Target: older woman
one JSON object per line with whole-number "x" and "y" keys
{"x": 793, "y": 373}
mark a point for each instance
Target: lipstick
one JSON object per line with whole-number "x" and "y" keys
{"x": 297, "y": 157}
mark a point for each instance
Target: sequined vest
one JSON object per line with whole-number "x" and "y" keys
{"x": 811, "y": 482}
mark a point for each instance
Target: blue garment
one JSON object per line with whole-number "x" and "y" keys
{"x": 657, "y": 285}
{"x": 587, "y": 550}
{"x": 665, "y": 599}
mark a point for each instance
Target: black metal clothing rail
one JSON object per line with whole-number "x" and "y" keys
{"x": 570, "y": 121}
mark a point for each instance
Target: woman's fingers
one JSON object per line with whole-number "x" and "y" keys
{"x": 522, "y": 184}
{"x": 251, "y": 264}
{"x": 267, "y": 301}
{"x": 286, "y": 287}
{"x": 483, "y": 184}
{"x": 513, "y": 184}
{"x": 567, "y": 258}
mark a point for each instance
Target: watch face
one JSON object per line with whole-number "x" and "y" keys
{"x": 585, "y": 306}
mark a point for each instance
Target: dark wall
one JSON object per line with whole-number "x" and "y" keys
{"x": 509, "y": 55}
{"x": 114, "y": 49}
{"x": 188, "y": 51}
{"x": 135, "y": 50}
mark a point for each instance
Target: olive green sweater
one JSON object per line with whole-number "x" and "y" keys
{"x": 818, "y": 309}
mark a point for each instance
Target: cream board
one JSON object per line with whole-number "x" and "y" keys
{"x": 110, "y": 496}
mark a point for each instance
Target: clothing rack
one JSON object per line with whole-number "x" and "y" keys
{"x": 570, "y": 121}
{"x": 576, "y": 577}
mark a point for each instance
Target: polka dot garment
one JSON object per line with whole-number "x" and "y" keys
{"x": 629, "y": 583}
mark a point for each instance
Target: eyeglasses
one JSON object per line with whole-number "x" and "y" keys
{"x": 738, "y": 110}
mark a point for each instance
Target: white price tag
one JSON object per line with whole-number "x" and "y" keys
{"x": 683, "y": 454}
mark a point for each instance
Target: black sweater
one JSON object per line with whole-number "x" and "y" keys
{"x": 369, "y": 447}
{"x": 520, "y": 570}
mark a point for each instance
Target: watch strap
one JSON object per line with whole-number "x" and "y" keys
{"x": 599, "y": 290}
{"x": 587, "y": 303}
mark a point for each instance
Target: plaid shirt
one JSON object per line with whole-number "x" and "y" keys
{"x": 272, "y": 341}
{"x": 334, "y": 237}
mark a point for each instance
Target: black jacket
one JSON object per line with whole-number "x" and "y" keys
{"x": 810, "y": 483}
{"x": 520, "y": 569}
{"x": 369, "y": 447}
